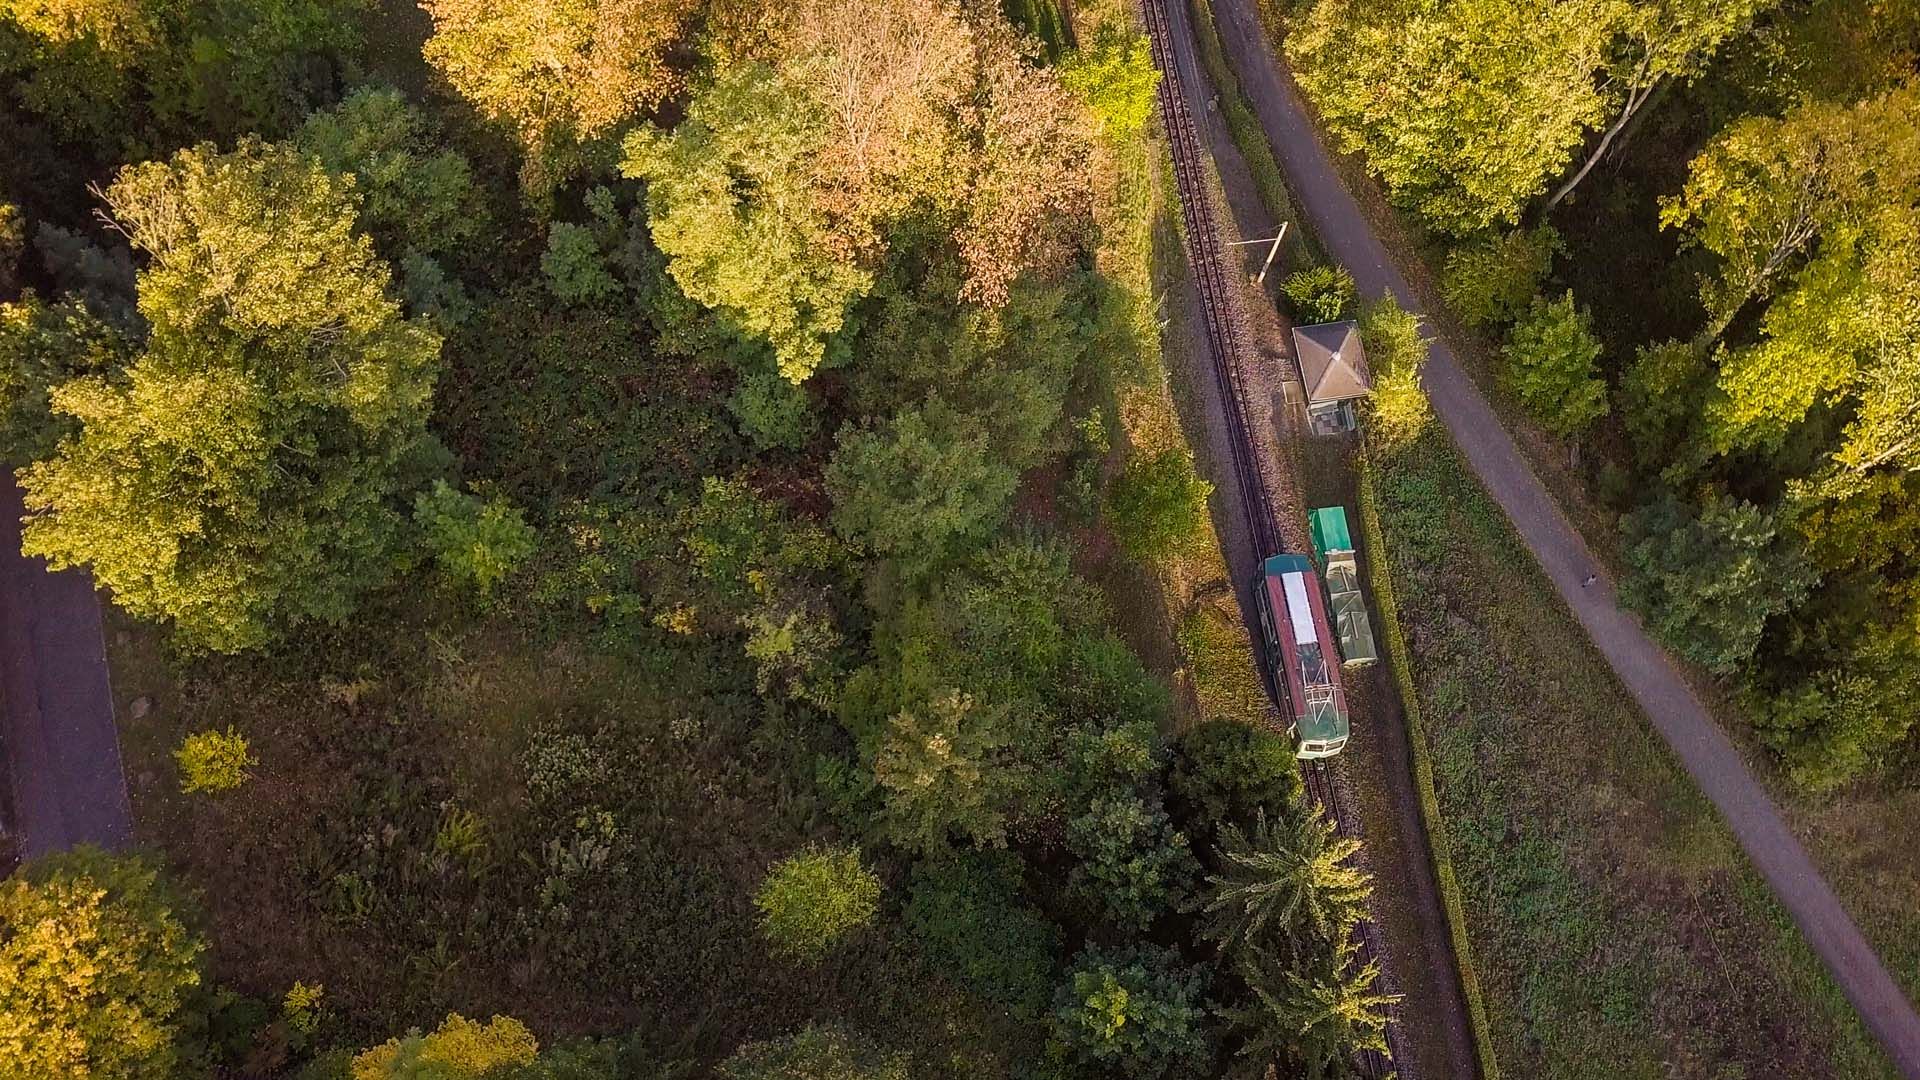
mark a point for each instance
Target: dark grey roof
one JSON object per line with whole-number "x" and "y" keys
{"x": 1333, "y": 364}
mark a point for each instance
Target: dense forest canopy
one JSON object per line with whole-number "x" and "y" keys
{"x": 619, "y": 480}
{"x": 1754, "y": 402}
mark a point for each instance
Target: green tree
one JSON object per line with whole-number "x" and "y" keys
{"x": 41, "y": 347}
{"x": 1549, "y": 360}
{"x": 1708, "y": 579}
{"x": 1661, "y": 395}
{"x": 969, "y": 915}
{"x": 815, "y": 1053}
{"x": 730, "y": 204}
{"x": 459, "y": 1049}
{"x": 1229, "y": 772}
{"x": 813, "y": 900}
{"x": 1319, "y": 1014}
{"x": 1654, "y": 44}
{"x": 1398, "y": 410}
{"x": 213, "y": 761}
{"x": 1132, "y": 1012}
{"x": 1158, "y": 505}
{"x": 413, "y": 196}
{"x": 1133, "y": 865}
{"x": 559, "y": 74}
{"x": 943, "y": 771}
{"x": 1320, "y": 294}
{"x": 576, "y": 270}
{"x": 1292, "y": 874}
{"x": 1492, "y": 279}
{"x": 1116, "y": 77}
{"x": 240, "y": 477}
{"x": 918, "y": 486}
{"x": 1465, "y": 110}
{"x": 96, "y": 969}
{"x": 1843, "y": 720}
{"x": 476, "y": 543}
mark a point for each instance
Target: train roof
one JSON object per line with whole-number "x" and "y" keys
{"x": 1307, "y": 658}
{"x": 1329, "y": 525}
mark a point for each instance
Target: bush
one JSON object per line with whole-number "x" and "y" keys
{"x": 1228, "y": 772}
{"x": 476, "y": 544}
{"x": 575, "y": 268}
{"x": 1492, "y": 279}
{"x": 772, "y": 411}
{"x": 96, "y": 968}
{"x": 1550, "y": 366}
{"x": 815, "y": 1053}
{"x": 1660, "y": 393}
{"x": 213, "y": 761}
{"x": 1320, "y": 294}
{"x": 969, "y": 915}
{"x": 1115, "y": 76}
{"x": 1398, "y": 410}
{"x": 1133, "y": 1012}
{"x": 459, "y": 1049}
{"x": 1158, "y": 505}
{"x": 811, "y": 901}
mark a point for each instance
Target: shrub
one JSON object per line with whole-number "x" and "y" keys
{"x": 213, "y": 761}
{"x": 1320, "y": 294}
{"x": 301, "y": 1007}
{"x": 1132, "y": 1012}
{"x": 772, "y": 411}
{"x": 815, "y": 1053}
{"x": 1158, "y": 505}
{"x": 968, "y": 914}
{"x": 1398, "y": 410}
{"x": 1660, "y": 393}
{"x": 1492, "y": 279}
{"x": 1115, "y": 76}
{"x": 811, "y": 901}
{"x": 96, "y": 968}
{"x": 575, "y": 268}
{"x": 476, "y": 544}
{"x": 1228, "y": 772}
{"x": 1550, "y": 366}
{"x": 459, "y": 1049}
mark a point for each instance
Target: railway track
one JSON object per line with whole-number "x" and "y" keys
{"x": 1224, "y": 346}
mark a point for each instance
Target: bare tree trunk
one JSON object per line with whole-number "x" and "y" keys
{"x": 1632, "y": 109}
{"x": 1640, "y": 115}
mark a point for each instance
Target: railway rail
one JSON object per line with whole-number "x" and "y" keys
{"x": 1225, "y": 344}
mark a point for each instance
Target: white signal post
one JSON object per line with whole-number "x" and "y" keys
{"x": 1272, "y": 252}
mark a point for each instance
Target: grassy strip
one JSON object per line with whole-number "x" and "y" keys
{"x": 1380, "y": 580}
{"x": 1251, "y": 139}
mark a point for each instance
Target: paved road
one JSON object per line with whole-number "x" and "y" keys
{"x": 59, "y": 736}
{"x": 1648, "y": 672}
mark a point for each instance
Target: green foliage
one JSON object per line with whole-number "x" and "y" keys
{"x": 1549, "y": 360}
{"x": 459, "y": 1049}
{"x": 728, "y": 203}
{"x": 772, "y": 411}
{"x": 1492, "y": 279}
{"x": 1132, "y": 1012}
{"x": 413, "y": 197}
{"x": 13, "y": 244}
{"x": 476, "y": 544}
{"x": 917, "y": 487}
{"x": 812, "y": 900}
{"x": 1157, "y": 507}
{"x": 1320, "y": 294}
{"x": 1398, "y": 410}
{"x": 41, "y": 347}
{"x": 576, "y": 271}
{"x": 96, "y": 969}
{"x": 1464, "y": 110}
{"x": 973, "y": 923}
{"x": 1232, "y": 772}
{"x": 1320, "y": 1016}
{"x": 1133, "y": 866}
{"x": 941, "y": 770}
{"x": 1044, "y": 19}
{"x": 815, "y": 1053}
{"x": 1848, "y": 718}
{"x": 1116, "y": 77}
{"x": 1707, "y": 579}
{"x": 1660, "y": 393}
{"x": 238, "y": 478}
{"x": 1292, "y": 875}
{"x": 213, "y": 761}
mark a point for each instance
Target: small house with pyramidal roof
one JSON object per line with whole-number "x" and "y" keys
{"x": 1333, "y": 369}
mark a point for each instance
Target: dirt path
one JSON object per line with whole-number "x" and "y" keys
{"x": 60, "y": 742}
{"x": 1706, "y": 752}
